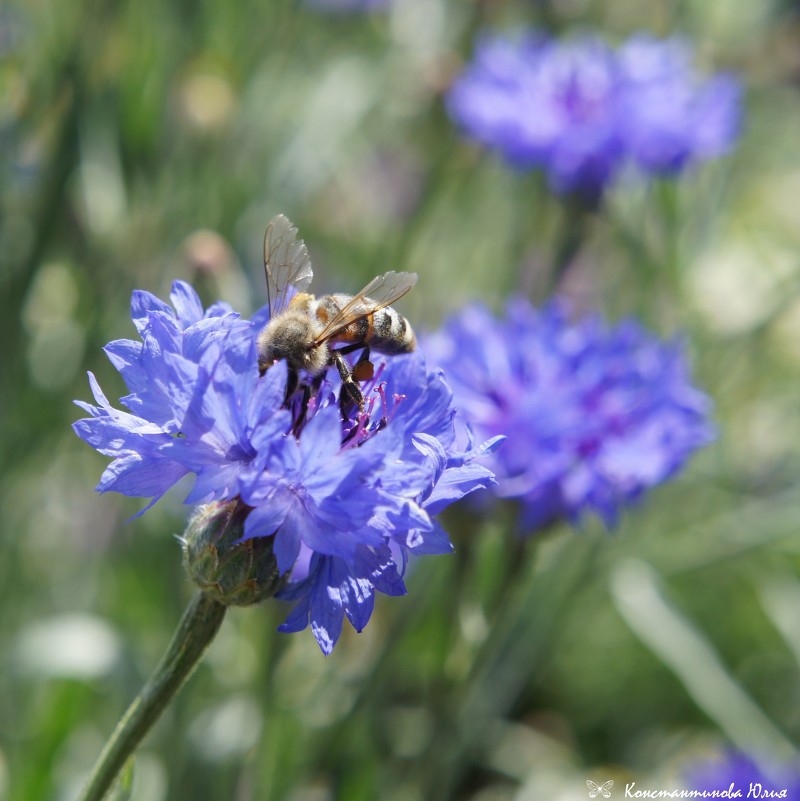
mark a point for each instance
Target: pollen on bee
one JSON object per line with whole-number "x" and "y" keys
{"x": 364, "y": 371}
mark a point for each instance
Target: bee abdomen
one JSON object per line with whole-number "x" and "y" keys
{"x": 391, "y": 333}
{"x": 384, "y": 330}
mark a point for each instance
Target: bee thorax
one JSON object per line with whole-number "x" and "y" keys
{"x": 290, "y": 336}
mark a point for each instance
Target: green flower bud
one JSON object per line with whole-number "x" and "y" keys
{"x": 232, "y": 572}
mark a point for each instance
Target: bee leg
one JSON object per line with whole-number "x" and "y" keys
{"x": 292, "y": 382}
{"x": 351, "y": 392}
{"x": 301, "y": 418}
{"x": 363, "y": 369}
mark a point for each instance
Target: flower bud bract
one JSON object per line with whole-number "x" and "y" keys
{"x": 234, "y": 572}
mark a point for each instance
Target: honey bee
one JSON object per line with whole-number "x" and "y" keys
{"x": 302, "y": 328}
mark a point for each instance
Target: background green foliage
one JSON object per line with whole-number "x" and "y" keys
{"x": 147, "y": 141}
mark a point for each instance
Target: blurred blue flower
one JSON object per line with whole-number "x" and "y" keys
{"x": 544, "y": 104}
{"x": 746, "y": 775}
{"x": 595, "y": 415}
{"x": 346, "y": 502}
{"x": 672, "y": 115}
{"x": 580, "y": 112}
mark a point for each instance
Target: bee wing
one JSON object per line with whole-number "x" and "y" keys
{"x": 286, "y": 263}
{"x": 379, "y": 293}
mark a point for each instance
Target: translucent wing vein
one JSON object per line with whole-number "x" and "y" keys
{"x": 287, "y": 265}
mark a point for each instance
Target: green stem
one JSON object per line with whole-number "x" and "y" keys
{"x": 524, "y": 624}
{"x": 575, "y": 223}
{"x": 668, "y": 204}
{"x": 198, "y": 626}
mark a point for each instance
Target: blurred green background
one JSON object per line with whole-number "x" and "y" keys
{"x": 144, "y": 142}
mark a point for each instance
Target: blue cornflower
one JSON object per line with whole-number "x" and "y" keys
{"x": 672, "y": 115}
{"x": 580, "y": 111}
{"x": 343, "y": 502}
{"x": 595, "y": 415}
{"x": 746, "y": 775}
{"x": 544, "y": 104}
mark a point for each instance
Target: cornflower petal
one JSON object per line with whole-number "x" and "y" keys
{"x": 335, "y": 589}
{"x": 188, "y": 308}
{"x": 139, "y": 468}
{"x": 453, "y": 484}
{"x": 126, "y": 355}
{"x": 142, "y": 304}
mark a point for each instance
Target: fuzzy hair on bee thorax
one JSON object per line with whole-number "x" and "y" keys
{"x": 290, "y": 335}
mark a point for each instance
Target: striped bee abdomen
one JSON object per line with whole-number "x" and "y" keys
{"x": 384, "y": 330}
{"x": 392, "y": 333}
